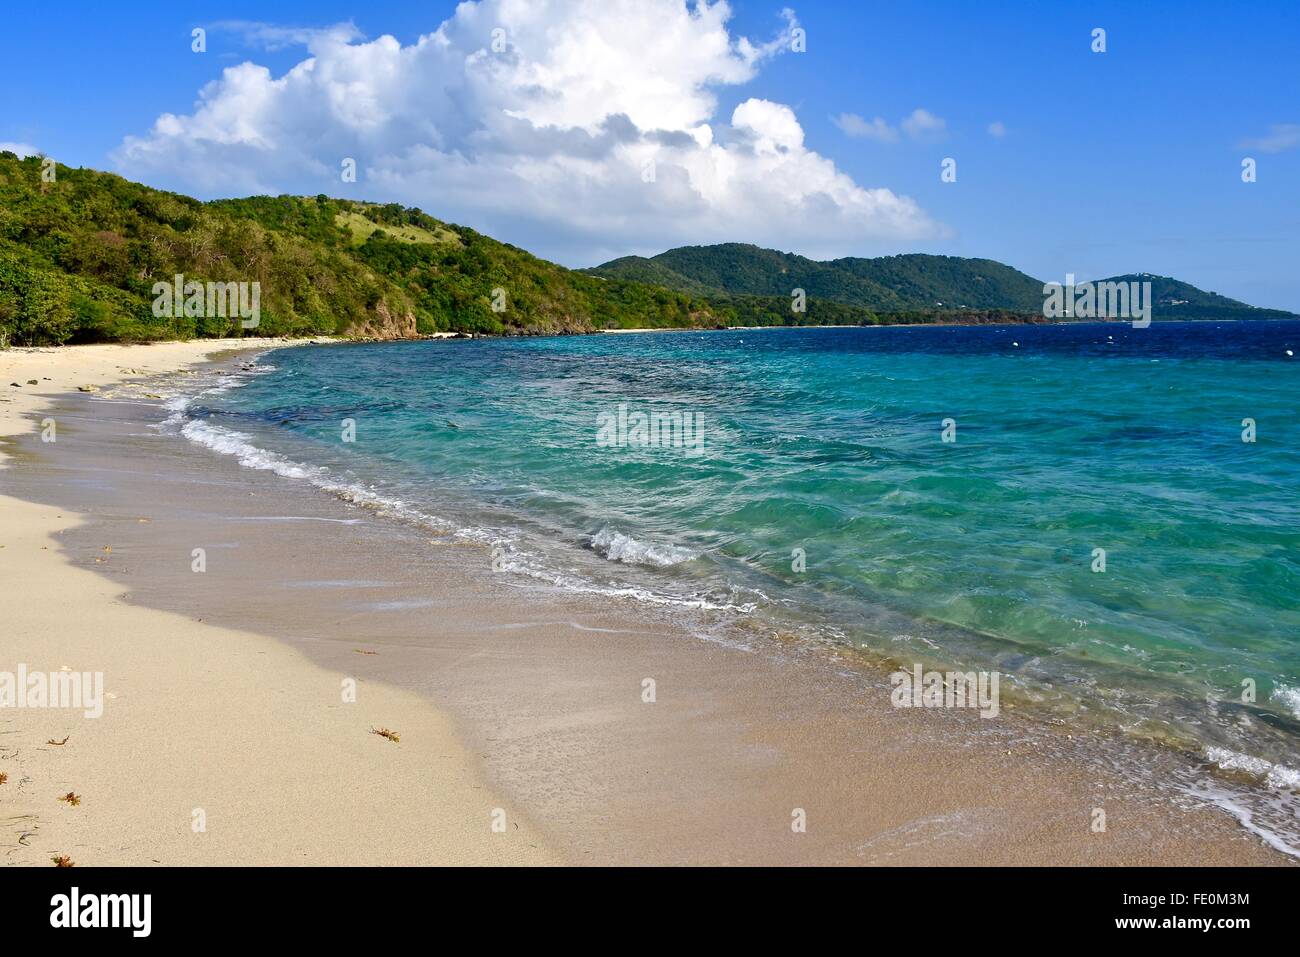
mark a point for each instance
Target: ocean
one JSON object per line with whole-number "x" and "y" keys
{"x": 1108, "y": 517}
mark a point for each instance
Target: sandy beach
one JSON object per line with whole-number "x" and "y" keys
{"x": 215, "y": 746}
{"x": 222, "y": 692}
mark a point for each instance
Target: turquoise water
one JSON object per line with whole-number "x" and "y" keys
{"x": 978, "y": 552}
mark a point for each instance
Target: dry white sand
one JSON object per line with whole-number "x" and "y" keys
{"x": 203, "y": 725}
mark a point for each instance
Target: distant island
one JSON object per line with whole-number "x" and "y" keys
{"x": 943, "y": 287}
{"x": 82, "y": 257}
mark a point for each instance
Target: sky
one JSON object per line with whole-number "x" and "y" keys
{"x": 591, "y": 129}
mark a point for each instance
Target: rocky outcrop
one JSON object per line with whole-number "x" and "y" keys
{"x": 383, "y": 323}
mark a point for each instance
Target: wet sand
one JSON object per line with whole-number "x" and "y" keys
{"x": 544, "y": 690}
{"x": 215, "y": 746}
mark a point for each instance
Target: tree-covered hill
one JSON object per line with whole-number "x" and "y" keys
{"x": 890, "y": 283}
{"x": 79, "y": 258}
{"x": 1180, "y": 300}
{"x": 949, "y": 282}
{"x": 654, "y": 272}
{"x": 742, "y": 269}
{"x": 916, "y": 284}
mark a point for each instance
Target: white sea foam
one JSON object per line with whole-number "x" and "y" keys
{"x": 176, "y": 405}
{"x": 1277, "y": 776}
{"x": 298, "y": 518}
{"x": 1244, "y": 808}
{"x": 1288, "y": 697}
{"x": 521, "y": 565}
{"x": 229, "y": 442}
{"x": 238, "y": 444}
{"x": 610, "y": 544}
{"x": 618, "y": 547}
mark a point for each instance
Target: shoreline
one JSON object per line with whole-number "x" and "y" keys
{"x": 773, "y": 735}
{"x": 215, "y": 746}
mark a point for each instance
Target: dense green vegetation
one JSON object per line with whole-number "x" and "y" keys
{"x": 640, "y": 269}
{"x": 1180, "y": 300}
{"x": 934, "y": 287}
{"x": 775, "y": 311}
{"x": 950, "y": 282}
{"x": 451, "y": 280}
{"x": 79, "y": 257}
{"x": 888, "y": 284}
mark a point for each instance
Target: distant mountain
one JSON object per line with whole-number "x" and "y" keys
{"x": 887, "y": 284}
{"x": 913, "y": 283}
{"x": 640, "y": 269}
{"x": 1180, "y": 300}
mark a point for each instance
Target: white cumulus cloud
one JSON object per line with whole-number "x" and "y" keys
{"x": 580, "y": 129}
{"x": 22, "y": 150}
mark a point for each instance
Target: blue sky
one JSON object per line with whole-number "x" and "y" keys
{"x": 1117, "y": 162}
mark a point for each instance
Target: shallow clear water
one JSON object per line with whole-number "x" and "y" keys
{"x": 978, "y": 551}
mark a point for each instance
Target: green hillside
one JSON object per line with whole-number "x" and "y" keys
{"x": 914, "y": 284}
{"x": 1179, "y": 300}
{"x": 79, "y": 258}
{"x": 950, "y": 282}
{"x": 741, "y": 269}
{"x": 890, "y": 283}
{"x": 640, "y": 269}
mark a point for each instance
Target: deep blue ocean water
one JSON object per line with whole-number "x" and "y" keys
{"x": 829, "y": 443}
